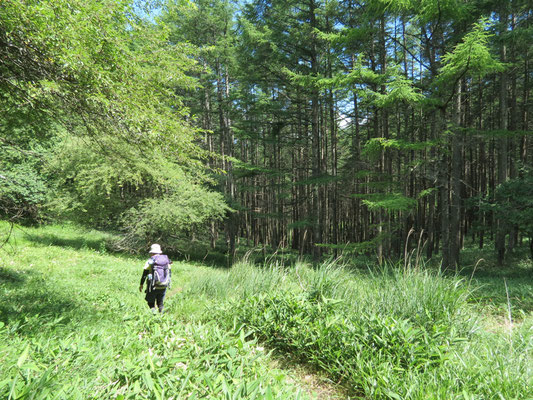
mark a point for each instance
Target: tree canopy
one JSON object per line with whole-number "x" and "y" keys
{"x": 93, "y": 127}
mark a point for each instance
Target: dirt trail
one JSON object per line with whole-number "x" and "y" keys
{"x": 312, "y": 382}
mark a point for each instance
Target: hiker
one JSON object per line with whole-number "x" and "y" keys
{"x": 157, "y": 274}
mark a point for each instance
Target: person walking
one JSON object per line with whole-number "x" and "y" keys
{"x": 157, "y": 274}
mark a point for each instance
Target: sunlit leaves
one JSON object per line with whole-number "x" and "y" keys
{"x": 108, "y": 79}
{"x": 391, "y": 202}
{"x": 471, "y": 57}
{"x": 399, "y": 90}
{"x": 374, "y": 146}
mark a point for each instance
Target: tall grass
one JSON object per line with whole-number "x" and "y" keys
{"x": 394, "y": 333}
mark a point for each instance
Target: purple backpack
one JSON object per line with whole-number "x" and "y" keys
{"x": 161, "y": 271}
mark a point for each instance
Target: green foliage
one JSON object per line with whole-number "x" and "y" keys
{"x": 91, "y": 190}
{"x": 359, "y": 248}
{"x": 23, "y": 186}
{"x": 399, "y": 90}
{"x": 187, "y": 208}
{"x": 119, "y": 142}
{"x": 471, "y": 57}
{"x": 246, "y": 170}
{"x": 353, "y": 348}
{"x": 88, "y": 62}
{"x": 426, "y": 10}
{"x": 22, "y": 191}
{"x": 374, "y": 146}
{"x": 426, "y": 192}
{"x": 512, "y": 203}
{"x": 148, "y": 200}
{"x": 360, "y": 74}
{"x": 300, "y": 224}
{"x": 389, "y": 202}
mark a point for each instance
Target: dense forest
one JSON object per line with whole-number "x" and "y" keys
{"x": 345, "y": 189}
{"x": 327, "y": 127}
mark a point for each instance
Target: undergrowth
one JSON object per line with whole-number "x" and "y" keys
{"x": 392, "y": 334}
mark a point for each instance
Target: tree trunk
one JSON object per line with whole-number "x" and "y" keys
{"x": 455, "y": 185}
{"x": 315, "y": 147}
{"x": 502, "y": 142}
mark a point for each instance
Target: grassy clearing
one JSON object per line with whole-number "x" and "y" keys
{"x": 75, "y": 327}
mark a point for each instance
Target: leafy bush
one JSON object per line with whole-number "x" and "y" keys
{"x": 95, "y": 91}
{"x": 22, "y": 193}
{"x": 165, "y": 219}
{"x": 148, "y": 200}
{"x": 23, "y": 188}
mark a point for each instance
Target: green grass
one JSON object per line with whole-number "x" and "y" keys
{"x": 390, "y": 334}
{"x": 500, "y": 289}
{"x": 74, "y": 326}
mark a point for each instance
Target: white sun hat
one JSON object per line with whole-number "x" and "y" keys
{"x": 155, "y": 249}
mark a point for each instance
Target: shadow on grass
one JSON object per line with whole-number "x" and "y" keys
{"x": 30, "y": 305}
{"x": 196, "y": 251}
{"x": 502, "y": 293}
{"x": 500, "y": 286}
{"x": 212, "y": 258}
{"x": 76, "y": 243}
{"x": 219, "y": 259}
{"x": 11, "y": 277}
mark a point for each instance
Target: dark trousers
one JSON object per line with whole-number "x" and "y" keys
{"x": 156, "y": 296}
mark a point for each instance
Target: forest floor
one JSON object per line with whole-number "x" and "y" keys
{"x": 76, "y": 327}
